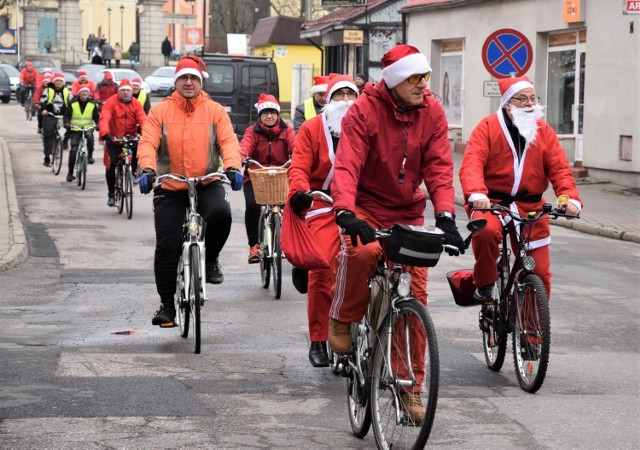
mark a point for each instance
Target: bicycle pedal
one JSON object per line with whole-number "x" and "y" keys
{"x": 168, "y": 325}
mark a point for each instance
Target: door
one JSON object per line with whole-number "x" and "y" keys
{"x": 46, "y": 31}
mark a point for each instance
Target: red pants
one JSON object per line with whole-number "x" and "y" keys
{"x": 486, "y": 249}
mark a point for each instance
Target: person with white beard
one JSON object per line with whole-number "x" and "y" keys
{"x": 312, "y": 169}
{"x": 511, "y": 158}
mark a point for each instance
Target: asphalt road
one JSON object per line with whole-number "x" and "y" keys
{"x": 82, "y": 367}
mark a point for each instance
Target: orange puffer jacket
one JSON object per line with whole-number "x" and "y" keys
{"x": 188, "y": 137}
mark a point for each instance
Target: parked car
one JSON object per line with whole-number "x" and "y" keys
{"x": 120, "y": 74}
{"x": 5, "y": 87}
{"x": 94, "y": 72}
{"x": 69, "y": 78}
{"x": 161, "y": 80}
{"x": 14, "y": 76}
{"x": 38, "y": 62}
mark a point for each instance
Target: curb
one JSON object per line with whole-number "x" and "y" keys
{"x": 17, "y": 245}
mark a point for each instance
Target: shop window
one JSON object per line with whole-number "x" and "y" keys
{"x": 451, "y": 82}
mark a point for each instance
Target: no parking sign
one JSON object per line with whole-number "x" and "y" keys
{"x": 507, "y": 52}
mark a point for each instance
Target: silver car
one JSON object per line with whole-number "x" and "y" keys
{"x": 120, "y": 74}
{"x": 14, "y": 76}
{"x": 161, "y": 80}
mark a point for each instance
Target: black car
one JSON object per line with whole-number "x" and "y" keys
{"x": 38, "y": 62}
{"x": 5, "y": 87}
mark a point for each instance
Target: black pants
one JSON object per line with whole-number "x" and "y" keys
{"x": 49, "y": 125}
{"x": 169, "y": 214}
{"x": 114, "y": 154}
{"x": 251, "y": 214}
{"x": 74, "y": 137}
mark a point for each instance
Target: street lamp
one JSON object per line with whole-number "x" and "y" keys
{"x": 109, "y": 15}
{"x": 193, "y": 2}
{"x": 121, "y": 25}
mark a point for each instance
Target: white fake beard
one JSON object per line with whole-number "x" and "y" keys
{"x": 525, "y": 119}
{"x": 333, "y": 112}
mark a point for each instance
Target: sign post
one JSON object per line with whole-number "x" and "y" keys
{"x": 506, "y": 53}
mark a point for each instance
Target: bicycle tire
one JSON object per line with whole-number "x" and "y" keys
{"x": 83, "y": 171}
{"x": 357, "y": 394}
{"x": 57, "y": 156}
{"x": 195, "y": 294}
{"x": 127, "y": 191}
{"x": 532, "y": 325}
{"x": 120, "y": 187}
{"x": 265, "y": 263}
{"x": 385, "y": 391}
{"x": 495, "y": 330}
{"x": 276, "y": 256}
{"x": 181, "y": 301}
{"x": 29, "y": 107}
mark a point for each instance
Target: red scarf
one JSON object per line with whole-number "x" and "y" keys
{"x": 271, "y": 132}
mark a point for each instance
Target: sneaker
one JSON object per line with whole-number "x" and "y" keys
{"x": 255, "y": 254}
{"x": 39, "y": 130}
{"x": 214, "y": 272}
{"x": 413, "y": 407}
{"x": 165, "y": 316}
{"x": 90, "y": 160}
{"x": 47, "y": 162}
{"x": 70, "y": 178}
{"x": 340, "y": 336}
{"x": 111, "y": 201}
{"x": 484, "y": 293}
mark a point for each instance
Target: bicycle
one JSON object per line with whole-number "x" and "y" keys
{"x": 519, "y": 305}
{"x": 124, "y": 175}
{"x": 270, "y": 187}
{"x": 82, "y": 158}
{"x": 190, "y": 292}
{"x": 58, "y": 152}
{"x": 395, "y": 349}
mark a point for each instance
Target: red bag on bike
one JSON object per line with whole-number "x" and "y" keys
{"x": 298, "y": 243}
{"x": 462, "y": 287}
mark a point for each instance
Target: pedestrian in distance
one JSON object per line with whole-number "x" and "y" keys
{"x": 511, "y": 158}
{"x": 270, "y": 142}
{"x": 134, "y": 54}
{"x": 312, "y": 169}
{"x": 167, "y": 48}
{"x": 96, "y": 55}
{"x": 120, "y": 116}
{"x": 314, "y": 104}
{"x": 394, "y": 138}
{"x": 48, "y": 45}
{"x": 81, "y": 115}
{"x": 187, "y": 134}
{"x": 107, "y": 54}
{"x": 117, "y": 54}
{"x": 361, "y": 79}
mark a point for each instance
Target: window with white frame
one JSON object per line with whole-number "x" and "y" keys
{"x": 451, "y": 82}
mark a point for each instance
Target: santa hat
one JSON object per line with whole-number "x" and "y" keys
{"x": 57, "y": 76}
{"x": 46, "y": 78}
{"x": 267, "y": 101}
{"x": 511, "y": 86}
{"x": 337, "y": 81}
{"x": 191, "y": 65}
{"x": 108, "y": 76}
{"x": 125, "y": 84}
{"x": 401, "y": 62}
{"x": 82, "y": 74}
{"x": 84, "y": 89}
{"x": 319, "y": 84}
{"x": 29, "y": 64}
{"x": 136, "y": 82}
{"x": 46, "y": 70}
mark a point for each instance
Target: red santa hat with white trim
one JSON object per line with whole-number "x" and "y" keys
{"x": 82, "y": 89}
{"x": 191, "y": 65}
{"x": 136, "y": 82}
{"x": 267, "y": 101}
{"x": 511, "y": 86}
{"x": 125, "y": 84}
{"x": 82, "y": 74}
{"x": 320, "y": 83}
{"x": 57, "y": 76}
{"x": 337, "y": 81}
{"x": 401, "y": 62}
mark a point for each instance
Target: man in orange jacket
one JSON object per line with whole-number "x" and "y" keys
{"x": 187, "y": 134}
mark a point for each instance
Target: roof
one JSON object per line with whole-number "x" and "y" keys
{"x": 435, "y": 4}
{"x": 340, "y": 16}
{"x": 278, "y": 30}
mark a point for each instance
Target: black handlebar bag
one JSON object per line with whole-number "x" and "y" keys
{"x": 414, "y": 245}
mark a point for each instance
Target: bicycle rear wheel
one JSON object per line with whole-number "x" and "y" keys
{"x": 493, "y": 323}
{"x": 28, "y": 107}
{"x": 82, "y": 170}
{"x": 276, "y": 256}
{"x": 57, "y": 156}
{"x": 183, "y": 312}
{"x": 120, "y": 187}
{"x": 358, "y": 392}
{"x": 413, "y": 369}
{"x": 265, "y": 245}
{"x": 531, "y": 334}
{"x": 127, "y": 191}
{"x": 195, "y": 294}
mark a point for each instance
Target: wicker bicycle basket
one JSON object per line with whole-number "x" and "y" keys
{"x": 270, "y": 185}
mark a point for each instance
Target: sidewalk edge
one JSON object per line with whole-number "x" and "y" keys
{"x": 17, "y": 248}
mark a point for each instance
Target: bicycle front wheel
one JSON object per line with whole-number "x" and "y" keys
{"x": 405, "y": 373}
{"x": 120, "y": 187}
{"x": 195, "y": 294}
{"x": 276, "y": 256}
{"x": 29, "y": 108}
{"x": 183, "y": 311}
{"x": 127, "y": 191}
{"x": 57, "y": 156}
{"x": 265, "y": 245}
{"x": 82, "y": 170}
{"x": 357, "y": 391}
{"x": 531, "y": 334}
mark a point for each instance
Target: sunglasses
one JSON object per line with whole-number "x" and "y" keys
{"x": 417, "y": 77}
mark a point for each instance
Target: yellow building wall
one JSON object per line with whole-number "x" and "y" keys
{"x": 121, "y": 26}
{"x": 285, "y": 56}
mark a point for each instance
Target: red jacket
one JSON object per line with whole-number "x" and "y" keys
{"x": 375, "y": 135}
{"x": 105, "y": 90}
{"x": 119, "y": 119}
{"x": 28, "y": 77}
{"x": 312, "y": 159}
{"x": 268, "y": 151}
{"x": 40, "y": 87}
{"x": 77, "y": 85}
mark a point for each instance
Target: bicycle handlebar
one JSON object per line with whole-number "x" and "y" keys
{"x": 126, "y": 139}
{"x": 191, "y": 180}
{"x": 532, "y": 217}
{"x": 248, "y": 161}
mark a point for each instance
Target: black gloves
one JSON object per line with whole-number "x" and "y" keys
{"x": 145, "y": 183}
{"x": 300, "y": 202}
{"x": 451, "y": 235}
{"x": 355, "y": 227}
{"x": 235, "y": 178}
{"x": 107, "y": 137}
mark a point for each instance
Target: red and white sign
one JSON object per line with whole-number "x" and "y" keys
{"x": 632, "y": 7}
{"x": 193, "y": 36}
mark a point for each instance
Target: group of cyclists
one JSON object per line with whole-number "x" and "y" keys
{"x": 369, "y": 146}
